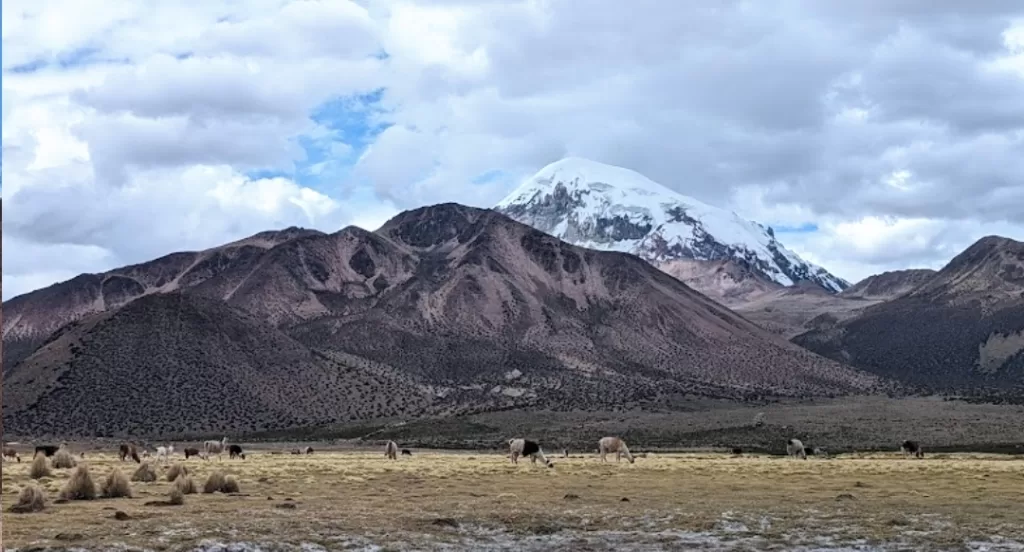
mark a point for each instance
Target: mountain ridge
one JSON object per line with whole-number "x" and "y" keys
{"x": 889, "y": 284}
{"x": 450, "y": 309}
{"x": 959, "y": 330}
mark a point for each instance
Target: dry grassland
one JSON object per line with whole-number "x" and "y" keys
{"x": 479, "y": 501}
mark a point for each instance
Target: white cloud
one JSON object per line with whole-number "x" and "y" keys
{"x": 896, "y": 128}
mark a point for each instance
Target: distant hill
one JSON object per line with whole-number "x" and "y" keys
{"x": 960, "y": 329}
{"x": 794, "y": 310}
{"x": 444, "y": 310}
{"x": 888, "y": 285}
{"x": 790, "y": 311}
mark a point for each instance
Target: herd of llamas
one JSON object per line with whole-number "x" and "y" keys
{"x": 518, "y": 448}
{"x": 80, "y": 485}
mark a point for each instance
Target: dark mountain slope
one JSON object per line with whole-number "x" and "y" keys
{"x": 30, "y": 318}
{"x": 961, "y": 330}
{"x": 174, "y": 363}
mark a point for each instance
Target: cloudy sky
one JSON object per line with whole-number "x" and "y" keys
{"x": 880, "y": 133}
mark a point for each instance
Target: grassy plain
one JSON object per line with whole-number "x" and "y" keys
{"x": 480, "y": 501}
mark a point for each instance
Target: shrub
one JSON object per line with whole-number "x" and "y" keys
{"x": 185, "y": 485}
{"x": 31, "y": 499}
{"x": 40, "y": 467}
{"x": 214, "y": 482}
{"x": 230, "y": 485}
{"x": 80, "y": 486}
{"x": 116, "y": 485}
{"x": 177, "y": 498}
{"x": 63, "y": 460}
{"x": 176, "y": 471}
{"x": 145, "y": 473}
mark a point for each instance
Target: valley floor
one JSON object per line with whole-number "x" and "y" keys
{"x": 479, "y": 501}
{"x": 848, "y": 424}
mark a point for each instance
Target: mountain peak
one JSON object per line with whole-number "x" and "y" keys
{"x": 611, "y": 208}
{"x": 991, "y": 270}
{"x": 432, "y": 225}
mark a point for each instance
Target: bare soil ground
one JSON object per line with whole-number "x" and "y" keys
{"x": 480, "y": 501}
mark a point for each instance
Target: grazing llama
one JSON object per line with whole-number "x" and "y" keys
{"x": 391, "y": 450}
{"x": 9, "y": 452}
{"x": 526, "y": 447}
{"x": 163, "y": 453}
{"x": 616, "y": 445}
{"x": 795, "y": 447}
{"x": 215, "y": 447}
{"x": 128, "y": 450}
{"x": 912, "y": 448}
{"x": 47, "y": 450}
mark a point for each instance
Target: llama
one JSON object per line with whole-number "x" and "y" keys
{"x": 235, "y": 451}
{"x": 565, "y": 453}
{"x": 912, "y": 448}
{"x": 616, "y": 445}
{"x": 524, "y": 448}
{"x": 48, "y": 450}
{"x": 128, "y": 450}
{"x": 406, "y": 452}
{"x": 215, "y": 447}
{"x": 190, "y": 452}
{"x": 9, "y": 452}
{"x": 391, "y": 450}
{"x": 163, "y": 453}
{"x": 795, "y": 447}
{"x": 309, "y": 450}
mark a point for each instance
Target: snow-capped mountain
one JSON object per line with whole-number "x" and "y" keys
{"x": 615, "y": 209}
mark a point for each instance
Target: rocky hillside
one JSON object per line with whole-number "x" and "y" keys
{"x": 888, "y": 285}
{"x": 729, "y": 282}
{"x": 176, "y": 363}
{"x": 615, "y": 209}
{"x": 961, "y": 329}
{"x": 444, "y": 309}
{"x": 790, "y": 311}
{"x": 794, "y": 310}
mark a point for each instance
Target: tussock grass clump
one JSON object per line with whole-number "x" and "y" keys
{"x": 185, "y": 485}
{"x": 230, "y": 485}
{"x": 176, "y": 497}
{"x": 176, "y": 471}
{"x": 80, "y": 486}
{"x": 31, "y": 499}
{"x": 214, "y": 483}
{"x": 40, "y": 468}
{"x": 63, "y": 460}
{"x": 145, "y": 473}
{"x": 116, "y": 485}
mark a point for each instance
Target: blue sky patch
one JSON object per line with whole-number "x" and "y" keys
{"x": 66, "y": 60}
{"x": 804, "y": 228}
{"x": 348, "y": 125}
{"x": 488, "y": 177}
